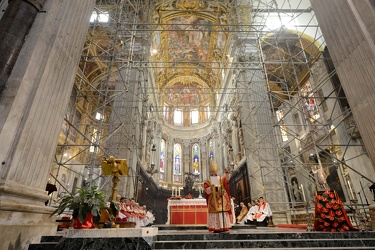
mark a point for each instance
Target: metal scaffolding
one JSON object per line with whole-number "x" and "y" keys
{"x": 277, "y": 49}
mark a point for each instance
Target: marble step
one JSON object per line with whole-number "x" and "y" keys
{"x": 43, "y": 246}
{"x": 46, "y": 242}
{"x": 367, "y": 243}
{"x": 117, "y": 243}
{"x": 53, "y": 238}
{"x": 296, "y": 248}
{"x": 250, "y": 235}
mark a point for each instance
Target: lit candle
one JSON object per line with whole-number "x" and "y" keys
{"x": 303, "y": 193}
{"x": 351, "y": 190}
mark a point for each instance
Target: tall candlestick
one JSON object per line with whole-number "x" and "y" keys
{"x": 173, "y": 189}
{"x": 351, "y": 191}
{"x": 179, "y": 191}
{"x": 303, "y": 193}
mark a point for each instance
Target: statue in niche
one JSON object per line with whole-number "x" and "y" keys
{"x": 295, "y": 188}
{"x": 320, "y": 176}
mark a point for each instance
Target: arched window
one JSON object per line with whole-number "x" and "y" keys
{"x": 194, "y": 116}
{"x": 162, "y": 157}
{"x": 177, "y": 162}
{"x": 196, "y": 158}
{"x": 177, "y": 116}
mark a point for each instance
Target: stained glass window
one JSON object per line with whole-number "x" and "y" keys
{"x": 177, "y": 159}
{"x": 195, "y": 158}
{"x": 162, "y": 154}
{"x": 211, "y": 150}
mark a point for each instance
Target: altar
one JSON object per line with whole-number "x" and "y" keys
{"x": 187, "y": 212}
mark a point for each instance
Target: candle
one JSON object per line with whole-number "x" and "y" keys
{"x": 303, "y": 193}
{"x": 351, "y": 191}
{"x": 173, "y": 188}
{"x": 179, "y": 192}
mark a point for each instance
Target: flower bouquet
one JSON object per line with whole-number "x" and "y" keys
{"x": 330, "y": 215}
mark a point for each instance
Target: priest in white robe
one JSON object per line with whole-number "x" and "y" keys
{"x": 263, "y": 212}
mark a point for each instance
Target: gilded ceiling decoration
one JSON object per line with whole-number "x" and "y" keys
{"x": 185, "y": 91}
{"x": 191, "y": 41}
{"x": 98, "y": 51}
{"x": 286, "y": 54}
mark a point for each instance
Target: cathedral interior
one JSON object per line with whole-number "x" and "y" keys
{"x": 170, "y": 85}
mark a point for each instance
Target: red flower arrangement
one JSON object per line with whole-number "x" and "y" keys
{"x": 330, "y": 215}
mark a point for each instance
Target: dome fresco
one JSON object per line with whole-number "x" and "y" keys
{"x": 286, "y": 56}
{"x": 185, "y": 94}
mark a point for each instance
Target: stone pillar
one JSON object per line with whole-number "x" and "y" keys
{"x": 203, "y": 159}
{"x": 15, "y": 24}
{"x": 354, "y": 58}
{"x": 32, "y": 112}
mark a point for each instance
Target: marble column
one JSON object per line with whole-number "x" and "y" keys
{"x": 32, "y": 112}
{"x": 348, "y": 29}
{"x": 349, "y": 32}
{"x": 263, "y": 163}
{"x": 15, "y": 24}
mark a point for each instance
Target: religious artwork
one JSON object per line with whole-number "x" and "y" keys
{"x": 296, "y": 189}
{"x": 177, "y": 159}
{"x": 186, "y": 94}
{"x": 162, "y": 153}
{"x": 211, "y": 150}
{"x": 309, "y": 103}
{"x": 195, "y": 153}
{"x": 188, "y": 38}
{"x": 288, "y": 61}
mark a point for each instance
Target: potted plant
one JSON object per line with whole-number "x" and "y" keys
{"x": 85, "y": 204}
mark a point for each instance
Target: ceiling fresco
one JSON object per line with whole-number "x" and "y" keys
{"x": 182, "y": 93}
{"x": 191, "y": 40}
{"x": 286, "y": 54}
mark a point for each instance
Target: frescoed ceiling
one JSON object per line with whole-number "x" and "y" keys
{"x": 286, "y": 54}
{"x": 189, "y": 47}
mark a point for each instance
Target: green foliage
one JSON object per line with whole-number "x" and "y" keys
{"x": 86, "y": 200}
